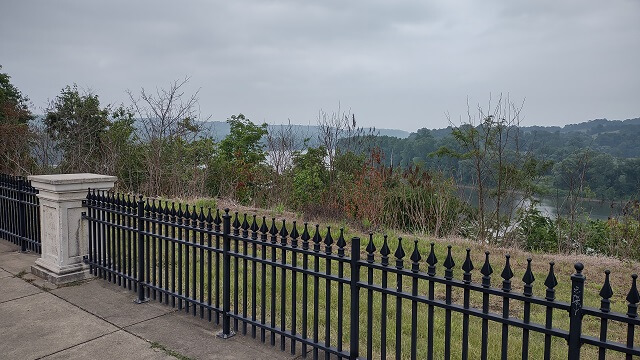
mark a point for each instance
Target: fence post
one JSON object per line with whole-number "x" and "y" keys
{"x": 226, "y": 277}
{"x": 140, "y": 222}
{"x": 354, "y": 324}
{"x": 22, "y": 215}
{"x": 575, "y": 314}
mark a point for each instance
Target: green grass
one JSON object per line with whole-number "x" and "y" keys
{"x": 594, "y": 268}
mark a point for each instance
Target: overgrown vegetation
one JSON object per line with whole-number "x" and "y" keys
{"x": 185, "y": 270}
{"x": 158, "y": 145}
{"x": 15, "y": 136}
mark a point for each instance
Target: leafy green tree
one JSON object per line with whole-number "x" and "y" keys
{"x": 243, "y": 142}
{"x": 238, "y": 169}
{"x": 121, "y": 151}
{"x": 538, "y": 231}
{"x": 310, "y": 178}
{"x": 14, "y": 128}
{"x": 629, "y": 178}
{"x": 77, "y": 122}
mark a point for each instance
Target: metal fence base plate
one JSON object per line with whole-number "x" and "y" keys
{"x": 222, "y": 335}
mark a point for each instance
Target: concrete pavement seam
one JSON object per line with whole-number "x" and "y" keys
{"x": 7, "y": 271}
{"x": 103, "y": 319}
{"x": 21, "y": 297}
{"x": 119, "y": 328}
{"x": 82, "y": 343}
{"x": 151, "y": 318}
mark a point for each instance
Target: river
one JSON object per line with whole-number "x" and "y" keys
{"x": 550, "y": 206}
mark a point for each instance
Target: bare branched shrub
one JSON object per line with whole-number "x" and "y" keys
{"x": 15, "y": 140}
{"x": 572, "y": 172}
{"x": 504, "y": 169}
{"x": 282, "y": 144}
{"x": 43, "y": 151}
{"x": 15, "y": 136}
{"x": 168, "y": 120}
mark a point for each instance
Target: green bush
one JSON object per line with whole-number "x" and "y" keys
{"x": 308, "y": 187}
{"x": 429, "y": 206}
{"x": 310, "y": 178}
{"x": 597, "y": 237}
{"x": 538, "y": 231}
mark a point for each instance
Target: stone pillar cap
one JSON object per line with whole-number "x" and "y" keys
{"x": 70, "y": 184}
{"x": 63, "y": 179}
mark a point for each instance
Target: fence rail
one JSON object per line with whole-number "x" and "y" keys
{"x": 19, "y": 213}
{"x": 309, "y": 291}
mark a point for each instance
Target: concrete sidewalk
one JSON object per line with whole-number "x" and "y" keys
{"x": 98, "y": 320}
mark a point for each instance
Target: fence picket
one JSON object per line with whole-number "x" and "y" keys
{"x": 506, "y": 275}
{"x": 575, "y": 313}
{"x": 226, "y": 279}
{"x": 283, "y": 283}
{"x": 467, "y": 266}
{"x": 550, "y": 282}
{"x": 354, "y": 323}
{"x": 486, "y": 272}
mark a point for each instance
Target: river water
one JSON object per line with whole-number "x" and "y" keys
{"x": 551, "y": 206}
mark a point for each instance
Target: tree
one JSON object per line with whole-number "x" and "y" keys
{"x": 76, "y": 122}
{"x": 237, "y": 168}
{"x": 167, "y": 119}
{"x": 336, "y": 132}
{"x": 570, "y": 175}
{"x": 282, "y": 142}
{"x": 310, "y": 178}
{"x": 15, "y": 135}
{"x": 504, "y": 169}
{"x": 243, "y": 142}
{"x": 122, "y": 151}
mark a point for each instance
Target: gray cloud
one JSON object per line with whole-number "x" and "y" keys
{"x": 395, "y": 64}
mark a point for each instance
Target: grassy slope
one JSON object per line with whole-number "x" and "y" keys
{"x": 595, "y": 266}
{"x": 594, "y": 271}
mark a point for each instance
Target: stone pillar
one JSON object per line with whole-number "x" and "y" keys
{"x": 64, "y": 233}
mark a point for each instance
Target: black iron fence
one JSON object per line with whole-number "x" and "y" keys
{"x": 311, "y": 291}
{"x": 19, "y": 212}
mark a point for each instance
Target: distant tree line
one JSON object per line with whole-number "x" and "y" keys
{"x": 609, "y": 156}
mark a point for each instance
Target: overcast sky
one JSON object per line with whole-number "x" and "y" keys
{"x": 396, "y": 64}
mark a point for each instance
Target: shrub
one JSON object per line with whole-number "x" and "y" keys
{"x": 537, "y": 231}
{"x": 597, "y": 237}
{"x": 309, "y": 179}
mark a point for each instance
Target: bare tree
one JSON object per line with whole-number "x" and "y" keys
{"x": 572, "y": 173}
{"x": 44, "y": 152}
{"x": 15, "y": 140}
{"x": 165, "y": 115}
{"x": 504, "y": 169}
{"x": 338, "y": 133}
{"x": 332, "y": 128}
{"x": 282, "y": 142}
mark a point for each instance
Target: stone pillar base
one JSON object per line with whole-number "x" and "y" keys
{"x": 64, "y": 232}
{"x": 80, "y": 273}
